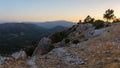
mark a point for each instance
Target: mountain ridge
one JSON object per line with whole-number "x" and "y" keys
{"x": 51, "y": 24}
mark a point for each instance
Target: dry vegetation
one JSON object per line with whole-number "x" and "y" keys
{"x": 99, "y": 52}
{"x": 15, "y": 64}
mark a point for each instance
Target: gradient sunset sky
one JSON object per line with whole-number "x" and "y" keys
{"x": 49, "y": 10}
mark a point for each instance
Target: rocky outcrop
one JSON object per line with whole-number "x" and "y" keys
{"x": 85, "y": 32}
{"x": 11, "y": 61}
{"x": 43, "y": 46}
{"x": 79, "y": 28}
{"x": 97, "y": 52}
{"x": 68, "y": 58}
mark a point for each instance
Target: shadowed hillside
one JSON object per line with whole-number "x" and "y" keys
{"x": 16, "y": 36}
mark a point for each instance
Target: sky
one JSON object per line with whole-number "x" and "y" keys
{"x": 50, "y": 10}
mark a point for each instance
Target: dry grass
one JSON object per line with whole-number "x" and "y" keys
{"x": 100, "y": 52}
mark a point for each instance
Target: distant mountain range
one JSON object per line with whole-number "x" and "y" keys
{"x": 48, "y": 24}
{"x": 52, "y": 24}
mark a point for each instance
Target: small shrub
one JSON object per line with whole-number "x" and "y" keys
{"x": 82, "y": 49}
{"x": 67, "y": 40}
{"x": 108, "y": 46}
{"x": 98, "y": 24}
{"x": 76, "y": 41}
{"x": 29, "y": 51}
{"x": 51, "y": 47}
{"x": 85, "y": 39}
{"x": 57, "y": 37}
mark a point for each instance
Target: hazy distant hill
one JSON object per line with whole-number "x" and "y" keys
{"x": 58, "y": 28}
{"x": 16, "y": 36}
{"x": 52, "y": 24}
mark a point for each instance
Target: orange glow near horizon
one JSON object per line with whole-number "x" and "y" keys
{"x": 74, "y": 17}
{"x": 51, "y": 10}
{"x": 43, "y": 19}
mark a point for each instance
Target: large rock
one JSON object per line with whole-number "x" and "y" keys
{"x": 43, "y": 46}
{"x": 87, "y": 30}
{"x": 31, "y": 62}
{"x": 19, "y": 55}
{"x": 2, "y": 59}
{"x": 83, "y": 27}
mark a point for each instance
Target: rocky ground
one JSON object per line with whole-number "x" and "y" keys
{"x": 97, "y": 48}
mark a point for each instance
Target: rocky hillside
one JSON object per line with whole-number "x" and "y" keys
{"x": 81, "y": 46}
